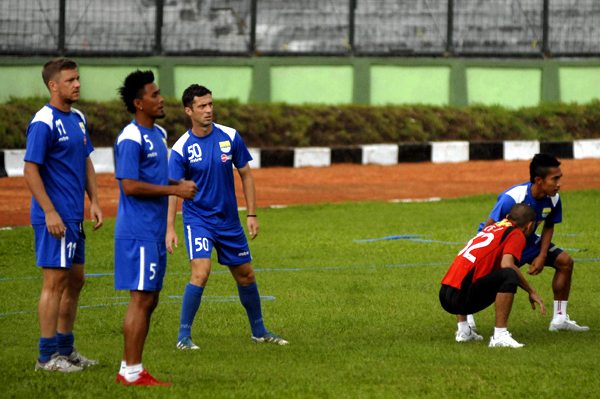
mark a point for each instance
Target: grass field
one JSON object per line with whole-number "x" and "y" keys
{"x": 363, "y": 317}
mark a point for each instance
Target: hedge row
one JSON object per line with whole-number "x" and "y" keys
{"x": 281, "y": 125}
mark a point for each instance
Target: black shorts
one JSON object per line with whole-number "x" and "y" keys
{"x": 474, "y": 297}
{"x": 551, "y": 256}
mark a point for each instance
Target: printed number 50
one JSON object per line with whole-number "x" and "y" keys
{"x": 201, "y": 243}
{"x": 466, "y": 251}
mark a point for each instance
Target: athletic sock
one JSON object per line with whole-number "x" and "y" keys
{"x": 47, "y": 347}
{"x": 132, "y": 373}
{"x": 123, "y": 369}
{"x": 65, "y": 343}
{"x": 250, "y": 299}
{"x": 471, "y": 321}
{"x": 498, "y": 331}
{"x": 190, "y": 304}
{"x": 464, "y": 327}
{"x": 560, "y": 311}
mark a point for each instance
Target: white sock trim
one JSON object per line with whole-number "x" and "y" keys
{"x": 133, "y": 372}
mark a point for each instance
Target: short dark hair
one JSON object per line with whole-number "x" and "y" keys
{"x": 192, "y": 91}
{"x": 540, "y": 166}
{"x": 55, "y": 66}
{"x": 521, "y": 214}
{"x": 133, "y": 87}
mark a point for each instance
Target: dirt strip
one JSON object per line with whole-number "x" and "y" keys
{"x": 343, "y": 182}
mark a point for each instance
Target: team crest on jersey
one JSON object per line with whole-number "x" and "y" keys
{"x": 225, "y": 146}
{"x": 82, "y": 126}
{"x": 546, "y": 212}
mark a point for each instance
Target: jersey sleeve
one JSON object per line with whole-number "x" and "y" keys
{"x": 128, "y": 160}
{"x": 177, "y": 169}
{"x": 39, "y": 139}
{"x": 241, "y": 155}
{"x": 515, "y": 243}
{"x": 502, "y": 207}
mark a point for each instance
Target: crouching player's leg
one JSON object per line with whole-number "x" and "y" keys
{"x": 140, "y": 268}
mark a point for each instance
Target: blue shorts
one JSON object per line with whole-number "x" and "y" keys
{"x": 140, "y": 265}
{"x": 551, "y": 255}
{"x": 231, "y": 244}
{"x": 51, "y": 252}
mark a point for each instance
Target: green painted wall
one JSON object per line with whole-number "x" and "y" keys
{"x": 579, "y": 84}
{"x": 100, "y": 83}
{"x": 224, "y": 82}
{"x": 312, "y": 84}
{"x": 410, "y": 85}
{"x": 331, "y": 80}
{"x": 21, "y": 81}
{"x": 509, "y": 87}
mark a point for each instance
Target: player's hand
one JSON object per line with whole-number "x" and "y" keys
{"x": 186, "y": 189}
{"x": 536, "y": 266}
{"x": 96, "y": 216}
{"x": 55, "y": 225}
{"x": 171, "y": 239}
{"x": 535, "y": 298}
{"x": 252, "y": 227}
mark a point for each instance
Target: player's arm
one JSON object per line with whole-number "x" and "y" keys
{"x": 489, "y": 222}
{"x": 183, "y": 189}
{"x": 509, "y": 261}
{"x": 171, "y": 237}
{"x": 91, "y": 188}
{"x": 54, "y": 222}
{"x": 537, "y": 265}
{"x": 250, "y": 195}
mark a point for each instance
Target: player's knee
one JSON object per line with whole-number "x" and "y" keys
{"x": 510, "y": 281}
{"x": 246, "y": 277}
{"x": 565, "y": 263}
{"x": 199, "y": 279}
{"x": 77, "y": 283}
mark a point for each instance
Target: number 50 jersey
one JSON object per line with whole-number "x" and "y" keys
{"x": 485, "y": 251}
{"x": 208, "y": 161}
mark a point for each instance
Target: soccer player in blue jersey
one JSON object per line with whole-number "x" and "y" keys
{"x": 59, "y": 172}
{"x": 206, "y": 154}
{"x": 541, "y": 193}
{"x": 140, "y": 249}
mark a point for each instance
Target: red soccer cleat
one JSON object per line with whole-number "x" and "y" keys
{"x": 120, "y": 379}
{"x": 146, "y": 380}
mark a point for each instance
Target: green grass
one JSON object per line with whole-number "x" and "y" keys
{"x": 359, "y": 324}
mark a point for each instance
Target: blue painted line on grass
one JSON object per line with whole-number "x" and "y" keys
{"x": 232, "y": 298}
{"x": 417, "y": 264}
{"x": 399, "y": 237}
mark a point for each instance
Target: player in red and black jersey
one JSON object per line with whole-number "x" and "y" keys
{"x": 486, "y": 271}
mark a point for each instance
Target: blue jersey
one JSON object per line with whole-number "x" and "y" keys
{"x": 58, "y": 142}
{"x": 141, "y": 154}
{"x": 208, "y": 161}
{"x": 547, "y": 209}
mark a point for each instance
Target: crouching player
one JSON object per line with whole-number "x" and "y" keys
{"x": 486, "y": 271}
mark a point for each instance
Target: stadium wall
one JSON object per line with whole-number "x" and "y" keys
{"x": 332, "y": 80}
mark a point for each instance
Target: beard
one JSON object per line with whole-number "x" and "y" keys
{"x": 70, "y": 101}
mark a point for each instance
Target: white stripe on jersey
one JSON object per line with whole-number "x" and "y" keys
{"x": 229, "y": 130}
{"x": 142, "y": 261}
{"x": 131, "y": 132}
{"x": 78, "y": 112}
{"x": 190, "y": 241}
{"x": 63, "y": 251}
{"x": 162, "y": 130}
{"x": 555, "y": 199}
{"x": 44, "y": 115}
{"x": 178, "y": 146}
{"x": 518, "y": 193}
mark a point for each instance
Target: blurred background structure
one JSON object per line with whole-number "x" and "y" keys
{"x": 483, "y": 28}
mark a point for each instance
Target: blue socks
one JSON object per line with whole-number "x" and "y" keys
{"x": 47, "y": 348}
{"x": 65, "y": 343}
{"x": 189, "y": 307}
{"x": 250, "y": 299}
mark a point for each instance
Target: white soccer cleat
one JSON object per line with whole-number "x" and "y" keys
{"x": 505, "y": 340}
{"x": 567, "y": 325}
{"x": 462, "y": 336}
{"x": 76, "y": 359}
{"x": 57, "y": 363}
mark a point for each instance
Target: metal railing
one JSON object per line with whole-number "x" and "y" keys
{"x": 488, "y": 28}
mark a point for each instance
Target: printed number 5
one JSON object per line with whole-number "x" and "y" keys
{"x": 152, "y": 270}
{"x": 466, "y": 251}
{"x": 148, "y": 141}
